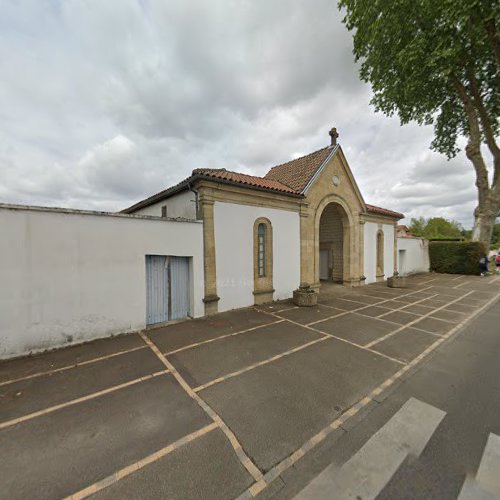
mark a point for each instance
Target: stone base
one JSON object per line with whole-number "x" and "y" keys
{"x": 263, "y": 296}
{"x": 305, "y": 298}
{"x": 211, "y": 304}
{"x": 396, "y": 282}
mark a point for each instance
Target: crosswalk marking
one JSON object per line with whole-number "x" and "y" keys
{"x": 486, "y": 485}
{"x": 370, "y": 469}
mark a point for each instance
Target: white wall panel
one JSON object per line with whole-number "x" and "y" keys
{"x": 68, "y": 276}
{"x": 181, "y": 205}
{"x": 234, "y": 252}
{"x": 416, "y": 255}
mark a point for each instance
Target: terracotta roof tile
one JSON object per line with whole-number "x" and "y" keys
{"x": 297, "y": 173}
{"x": 383, "y": 211}
{"x": 247, "y": 180}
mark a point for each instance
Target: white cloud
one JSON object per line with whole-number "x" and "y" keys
{"x": 103, "y": 103}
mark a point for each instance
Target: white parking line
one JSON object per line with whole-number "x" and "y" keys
{"x": 371, "y": 468}
{"x": 215, "y": 339}
{"x": 94, "y": 395}
{"x": 381, "y": 339}
{"x": 130, "y": 469}
{"x": 260, "y": 363}
{"x": 233, "y": 440}
{"x": 74, "y": 365}
{"x": 364, "y": 307}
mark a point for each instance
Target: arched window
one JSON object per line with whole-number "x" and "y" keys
{"x": 263, "y": 260}
{"x": 261, "y": 250}
{"x": 380, "y": 254}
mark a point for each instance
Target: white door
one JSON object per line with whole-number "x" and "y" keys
{"x": 323, "y": 265}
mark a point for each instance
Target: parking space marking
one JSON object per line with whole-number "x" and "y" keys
{"x": 281, "y": 467}
{"x": 240, "y": 452}
{"x": 408, "y": 305}
{"x": 202, "y": 342}
{"x": 287, "y": 309}
{"x": 260, "y": 363}
{"x": 390, "y": 334}
{"x": 361, "y": 308}
{"x": 94, "y": 395}
{"x": 130, "y": 469}
{"x": 316, "y": 330}
{"x": 428, "y": 281}
{"x": 461, "y": 284}
{"x": 69, "y": 367}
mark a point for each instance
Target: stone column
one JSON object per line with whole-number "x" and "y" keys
{"x": 307, "y": 248}
{"x": 211, "y": 298}
{"x": 362, "y": 276}
{"x": 395, "y": 247}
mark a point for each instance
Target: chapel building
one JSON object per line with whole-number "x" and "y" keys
{"x": 304, "y": 222}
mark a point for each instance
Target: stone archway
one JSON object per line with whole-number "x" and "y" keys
{"x": 331, "y": 243}
{"x": 335, "y": 248}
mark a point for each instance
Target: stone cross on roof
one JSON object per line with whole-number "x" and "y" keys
{"x": 333, "y": 134}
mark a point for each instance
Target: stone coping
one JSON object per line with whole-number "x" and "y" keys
{"x": 75, "y": 211}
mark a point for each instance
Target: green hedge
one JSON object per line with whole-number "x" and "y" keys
{"x": 455, "y": 257}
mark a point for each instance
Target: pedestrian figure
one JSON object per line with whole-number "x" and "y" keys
{"x": 497, "y": 263}
{"x": 483, "y": 264}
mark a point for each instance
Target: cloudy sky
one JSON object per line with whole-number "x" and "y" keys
{"x": 105, "y": 102}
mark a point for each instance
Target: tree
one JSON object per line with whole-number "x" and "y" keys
{"x": 438, "y": 62}
{"x": 436, "y": 228}
{"x": 495, "y": 239}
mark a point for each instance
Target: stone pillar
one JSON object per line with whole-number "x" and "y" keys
{"x": 211, "y": 298}
{"x": 395, "y": 247}
{"x": 362, "y": 276}
{"x": 307, "y": 247}
{"x": 380, "y": 271}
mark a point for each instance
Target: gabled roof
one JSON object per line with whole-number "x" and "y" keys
{"x": 372, "y": 209}
{"x": 297, "y": 173}
{"x": 219, "y": 175}
{"x": 249, "y": 180}
{"x": 292, "y": 178}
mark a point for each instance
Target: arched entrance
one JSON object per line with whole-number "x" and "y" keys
{"x": 333, "y": 244}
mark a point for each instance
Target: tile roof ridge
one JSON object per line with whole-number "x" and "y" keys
{"x": 299, "y": 158}
{"x": 201, "y": 170}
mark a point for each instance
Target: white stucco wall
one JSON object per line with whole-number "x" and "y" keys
{"x": 181, "y": 205}
{"x": 413, "y": 255}
{"x": 234, "y": 252}
{"x": 68, "y": 277}
{"x": 370, "y": 250}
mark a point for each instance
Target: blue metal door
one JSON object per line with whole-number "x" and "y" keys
{"x": 157, "y": 289}
{"x": 167, "y": 288}
{"x": 179, "y": 287}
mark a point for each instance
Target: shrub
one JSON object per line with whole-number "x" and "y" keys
{"x": 456, "y": 257}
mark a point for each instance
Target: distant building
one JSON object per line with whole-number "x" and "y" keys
{"x": 403, "y": 231}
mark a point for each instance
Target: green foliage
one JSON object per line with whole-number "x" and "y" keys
{"x": 456, "y": 257}
{"x": 414, "y": 53}
{"x": 495, "y": 237}
{"x": 436, "y": 228}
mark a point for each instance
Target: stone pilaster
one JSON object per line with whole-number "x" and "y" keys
{"x": 361, "y": 267}
{"x": 306, "y": 246}
{"x": 211, "y": 298}
{"x": 395, "y": 247}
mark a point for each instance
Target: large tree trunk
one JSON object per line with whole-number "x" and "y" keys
{"x": 484, "y": 220}
{"x": 488, "y": 206}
